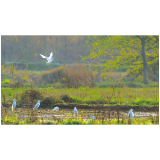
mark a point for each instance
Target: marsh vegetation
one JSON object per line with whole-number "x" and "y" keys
{"x": 106, "y": 88}
{"x": 67, "y": 87}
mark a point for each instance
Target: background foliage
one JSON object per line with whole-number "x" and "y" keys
{"x": 27, "y": 48}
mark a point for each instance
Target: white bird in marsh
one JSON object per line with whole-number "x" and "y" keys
{"x": 14, "y": 104}
{"x": 92, "y": 117}
{"x": 75, "y": 111}
{"x": 49, "y": 59}
{"x": 56, "y": 108}
{"x": 2, "y": 106}
{"x": 131, "y": 113}
{"x": 37, "y": 105}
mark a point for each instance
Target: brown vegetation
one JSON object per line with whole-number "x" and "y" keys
{"x": 48, "y": 101}
{"x": 17, "y": 85}
{"x": 30, "y": 97}
{"x": 67, "y": 98}
{"x": 71, "y": 76}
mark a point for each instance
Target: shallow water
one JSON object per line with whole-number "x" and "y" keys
{"x": 69, "y": 114}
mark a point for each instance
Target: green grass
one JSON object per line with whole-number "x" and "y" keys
{"x": 127, "y": 84}
{"x": 139, "y": 121}
{"x": 41, "y": 67}
{"x": 148, "y": 101}
{"x": 37, "y": 66}
{"x": 86, "y": 95}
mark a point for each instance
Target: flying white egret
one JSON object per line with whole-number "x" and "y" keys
{"x": 75, "y": 111}
{"x": 37, "y": 105}
{"x": 92, "y": 117}
{"x": 49, "y": 59}
{"x": 131, "y": 113}
{"x": 56, "y": 108}
{"x": 14, "y": 104}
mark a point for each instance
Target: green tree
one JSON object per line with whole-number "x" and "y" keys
{"x": 133, "y": 51}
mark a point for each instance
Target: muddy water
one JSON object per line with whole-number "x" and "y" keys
{"x": 98, "y": 116}
{"x": 50, "y": 114}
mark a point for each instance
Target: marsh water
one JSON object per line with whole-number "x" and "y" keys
{"x": 84, "y": 114}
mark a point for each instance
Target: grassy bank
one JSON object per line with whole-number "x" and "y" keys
{"x": 86, "y": 95}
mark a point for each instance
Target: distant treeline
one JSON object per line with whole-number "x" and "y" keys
{"x": 27, "y": 48}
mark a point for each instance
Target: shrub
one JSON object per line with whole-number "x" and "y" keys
{"x": 77, "y": 75}
{"x": 67, "y": 98}
{"x": 48, "y": 101}
{"x": 71, "y": 76}
{"x": 30, "y": 97}
{"x": 6, "y": 81}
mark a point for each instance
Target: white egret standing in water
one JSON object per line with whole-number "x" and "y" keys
{"x": 49, "y": 59}
{"x": 92, "y": 117}
{"x": 75, "y": 111}
{"x": 37, "y": 105}
{"x": 131, "y": 113}
{"x": 2, "y": 106}
{"x": 14, "y": 104}
{"x": 56, "y": 108}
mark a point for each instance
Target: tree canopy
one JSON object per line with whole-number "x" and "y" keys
{"x": 126, "y": 51}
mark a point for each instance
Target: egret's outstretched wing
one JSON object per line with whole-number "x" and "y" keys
{"x": 43, "y": 56}
{"x": 49, "y": 59}
{"x": 51, "y": 54}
